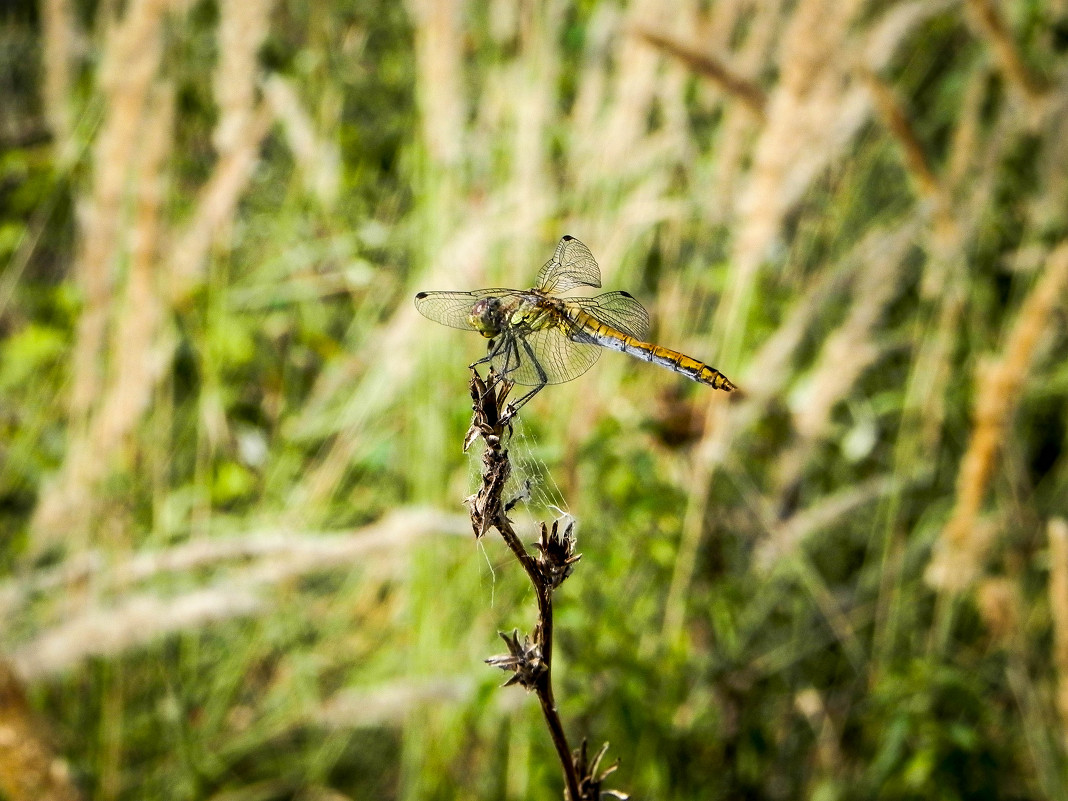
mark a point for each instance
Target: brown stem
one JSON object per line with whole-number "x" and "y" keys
{"x": 488, "y": 510}
{"x": 544, "y": 638}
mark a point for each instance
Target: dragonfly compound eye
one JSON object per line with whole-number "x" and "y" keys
{"x": 485, "y": 317}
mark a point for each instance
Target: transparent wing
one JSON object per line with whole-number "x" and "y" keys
{"x": 620, "y": 310}
{"x": 453, "y": 308}
{"x": 572, "y": 265}
{"x": 560, "y": 359}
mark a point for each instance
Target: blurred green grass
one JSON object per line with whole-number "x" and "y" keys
{"x": 751, "y": 616}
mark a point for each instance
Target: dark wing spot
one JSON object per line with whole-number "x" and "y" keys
{"x": 420, "y": 295}
{"x": 627, "y": 295}
{"x": 567, "y": 237}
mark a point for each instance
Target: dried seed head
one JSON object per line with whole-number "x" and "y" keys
{"x": 590, "y": 774}
{"x": 556, "y": 553}
{"x": 524, "y": 660}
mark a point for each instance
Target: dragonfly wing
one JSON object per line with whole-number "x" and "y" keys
{"x": 571, "y": 266}
{"x": 560, "y": 359}
{"x": 619, "y": 310}
{"x": 453, "y": 308}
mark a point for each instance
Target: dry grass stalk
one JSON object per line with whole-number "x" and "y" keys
{"x": 1047, "y": 206}
{"x": 133, "y": 374}
{"x": 392, "y": 704}
{"x": 880, "y": 45}
{"x": 897, "y": 122}
{"x": 592, "y": 91}
{"x": 242, "y": 28}
{"x": 811, "y": 114}
{"x": 136, "y": 621}
{"x": 845, "y": 355}
{"x": 602, "y": 154}
{"x": 891, "y": 29}
{"x": 1007, "y": 53}
{"x": 751, "y": 95}
{"x": 998, "y": 600}
{"x": 216, "y": 204}
{"x": 439, "y": 77}
{"x": 132, "y": 56}
{"x": 29, "y": 769}
{"x": 57, "y": 41}
{"x": 135, "y": 367}
{"x": 126, "y": 76}
{"x": 926, "y": 396}
{"x": 810, "y": 703}
{"x": 787, "y": 535}
{"x": 968, "y": 131}
{"x": 740, "y": 126}
{"x": 959, "y": 553}
{"x": 532, "y": 107}
{"x": 1058, "y": 602}
{"x": 273, "y": 556}
{"x": 319, "y": 159}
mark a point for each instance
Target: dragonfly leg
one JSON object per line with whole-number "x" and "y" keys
{"x": 494, "y": 347}
{"x": 493, "y": 350}
{"x": 543, "y": 379}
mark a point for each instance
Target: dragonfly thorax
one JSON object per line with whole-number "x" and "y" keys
{"x": 487, "y": 317}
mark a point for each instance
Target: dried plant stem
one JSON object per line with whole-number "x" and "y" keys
{"x": 439, "y": 64}
{"x": 496, "y": 470}
{"x": 242, "y": 30}
{"x": 751, "y": 95}
{"x": 897, "y": 122}
{"x": 962, "y": 546}
{"x": 57, "y": 22}
{"x": 134, "y": 49}
{"x": 530, "y": 661}
{"x": 110, "y": 395}
{"x": 1058, "y": 601}
{"x": 1007, "y": 54}
{"x": 216, "y": 203}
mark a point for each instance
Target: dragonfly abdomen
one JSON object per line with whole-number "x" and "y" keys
{"x": 608, "y": 337}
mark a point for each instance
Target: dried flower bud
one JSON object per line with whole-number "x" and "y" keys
{"x": 591, "y": 775}
{"x": 524, "y": 659}
{"x": 556, "y": 553}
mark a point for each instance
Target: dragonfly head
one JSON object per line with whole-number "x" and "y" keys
{"x": 486, "y": 317}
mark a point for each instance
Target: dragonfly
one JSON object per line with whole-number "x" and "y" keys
{"x": 539, "y": 337}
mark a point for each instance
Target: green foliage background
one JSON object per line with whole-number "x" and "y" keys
{"x": 751, "y": 616}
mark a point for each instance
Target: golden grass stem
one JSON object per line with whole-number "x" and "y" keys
{"x": 242, "y": 28}
{"x": 717, "y": 71}
{"x": 439, "y": 78}
{"x": 319, "y": 158}
{"x": 893, "y": 115}
{"x": 57, "y": 39}
{"x": 1006, "y": 52}
{"x": 216, "y": 204}
{"x": 962, "y": 546}
{"x": 133, "y": 53}
{"x": 135, "y": 366}
{"x": 1058, "y": 602}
